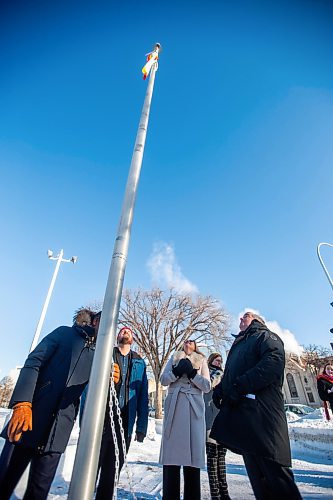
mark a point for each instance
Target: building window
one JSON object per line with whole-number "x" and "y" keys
{"x": 310, "y": 396}
{"x": 292, "y": 386}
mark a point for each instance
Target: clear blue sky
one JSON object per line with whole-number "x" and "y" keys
{"x": 237, "y": 175}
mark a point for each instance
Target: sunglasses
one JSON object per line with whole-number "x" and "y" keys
{"x": 189, "y": 342}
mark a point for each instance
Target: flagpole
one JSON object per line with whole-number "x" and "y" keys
{"x": 87, "y": 454}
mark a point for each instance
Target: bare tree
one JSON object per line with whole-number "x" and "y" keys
{"x": 163, "y": 320}
{"x": 315, "y": 357}
{"x": 6, "y": 390}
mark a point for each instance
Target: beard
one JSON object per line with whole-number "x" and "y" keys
{"x": 126, "y": 340}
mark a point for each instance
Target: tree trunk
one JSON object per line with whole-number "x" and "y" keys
{"x": 158, "y": 399}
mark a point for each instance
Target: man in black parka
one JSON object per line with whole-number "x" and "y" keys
{"x": 45, "y": 403}
{"x": 252, "y": 418}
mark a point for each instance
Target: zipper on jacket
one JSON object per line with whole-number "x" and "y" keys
{"x": 44, "y": 385}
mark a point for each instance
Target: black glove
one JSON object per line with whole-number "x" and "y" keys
{"x": 192, "y": 373}
{"x": 187, "y": 367}
{"x": 184, "y": 367}
{"x": 139, "y": 436}
{"x": 217, "y": 400}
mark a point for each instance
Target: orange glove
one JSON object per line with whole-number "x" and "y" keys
{"x": 21, "y": 421}
{"x": 116, "y": 373}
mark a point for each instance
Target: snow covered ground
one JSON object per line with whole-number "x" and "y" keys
{"x": 312, "y": 445}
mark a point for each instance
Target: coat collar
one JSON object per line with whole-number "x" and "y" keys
{"x": 254, "y": 327}
{"x": 195, "y": 358}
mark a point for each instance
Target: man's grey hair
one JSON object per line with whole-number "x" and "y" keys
{"x": 257, "y": 317}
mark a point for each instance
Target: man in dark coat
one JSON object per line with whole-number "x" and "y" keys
{"x": 45, "y": 403}
{"x": 252, "y": 419}
{"x": 131, "y": 385}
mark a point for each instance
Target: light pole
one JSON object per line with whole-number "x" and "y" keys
{"x": 323, "y": 265}
{"x": 59, "y": 259}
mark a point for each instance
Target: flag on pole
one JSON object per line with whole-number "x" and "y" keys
{"x": 152, "y": 57}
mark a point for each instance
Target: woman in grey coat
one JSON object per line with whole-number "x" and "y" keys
{"x": 215, "y": 452}
{"x": 183, "y": 440}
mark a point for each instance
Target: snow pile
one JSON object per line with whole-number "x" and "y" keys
{"x": 317, "y": 414}
{"x": 312, "y": 433}
{"x": 291, "y": 416}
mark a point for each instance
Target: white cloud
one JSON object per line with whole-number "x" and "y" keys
{"x": 288, "y": 338}
{"x": 14, "y": 373}
{"x": 165, "y": 270}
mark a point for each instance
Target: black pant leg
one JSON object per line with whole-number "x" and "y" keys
{"x": 107, "y": 465}
{"x": 212, "y": 465}
{"x": 192, "y": 488}
{"x": 42, "y": 471}
{"x": 120, "y": 445}
{"x": 107, "y": 460}
{"x": 5, "y": 457}
{"x": 221, "y": 472}
{"x": 171, "y": 482}
{"x": 256, "y": 477}
{"x": 280, "y": 480}
{"x": 270, "y": 480}
{"x": 14, "y": 460}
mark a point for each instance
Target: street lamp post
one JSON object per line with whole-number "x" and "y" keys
{"x": 59, "y": 259}
{"x": 323, "y": 265}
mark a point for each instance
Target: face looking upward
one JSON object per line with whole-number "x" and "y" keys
{"x": 125, "y": 336}
{"x": 245, "y": 321}
{"x": 189, "y": 346}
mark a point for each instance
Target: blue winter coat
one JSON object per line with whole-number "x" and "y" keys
{"x": 136, "y": 393}
{"x": 52, "y": 379}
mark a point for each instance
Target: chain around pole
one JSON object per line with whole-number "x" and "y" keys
{"x": 114, "y": 400}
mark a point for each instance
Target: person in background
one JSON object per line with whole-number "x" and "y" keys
{"x": 183, "y": 437}
{"x": 215, "y": 452}
{"x": 45, "y": 403}
{"x": 252, "y": 419}
{"x": 131, "y": 385}
{"x": 325, "y": 388}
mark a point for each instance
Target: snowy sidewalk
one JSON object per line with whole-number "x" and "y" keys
{"x": 313, "y": 473}
{"x": 315, "y": 480}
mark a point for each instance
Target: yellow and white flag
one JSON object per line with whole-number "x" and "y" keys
{"x": 152, "y": 57}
